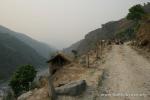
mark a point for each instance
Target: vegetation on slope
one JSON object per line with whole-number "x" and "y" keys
{"x": 141, "y": 16}
{"x": 22, "y": 79}
{"x": 123, "y": 29}
{"x": 43, "y": 49}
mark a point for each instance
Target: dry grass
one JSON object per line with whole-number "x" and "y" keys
{"x": 40, "y": 94}
{"x": 73, "y": 72}
{"x": 69, "y": 73}
{"x": 143, "y": 35}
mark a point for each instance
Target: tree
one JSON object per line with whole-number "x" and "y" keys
{"x": 22, "y": 78}
{"x": 135, "y": 13}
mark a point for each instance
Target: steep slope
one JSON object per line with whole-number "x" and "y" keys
{"x": 14, "y": 53}
{"x": 107, "y": 32}
{"x": 43, "y": 49}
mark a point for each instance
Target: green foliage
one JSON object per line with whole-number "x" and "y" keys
{"x": 136, "y": 27}
{"x": 135, "y": 13}
{"x": 126, "y": 34}
{"x": 22, "y": 78}
{"x": 75, "y": 53}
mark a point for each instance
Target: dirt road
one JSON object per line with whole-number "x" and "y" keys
{"x": 127, "y": 75}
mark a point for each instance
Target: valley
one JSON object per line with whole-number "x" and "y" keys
{"x": 111, "y": 62}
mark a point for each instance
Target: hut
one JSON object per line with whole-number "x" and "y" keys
{"x": 58, "y": 61}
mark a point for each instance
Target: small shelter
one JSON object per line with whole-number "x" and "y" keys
{"x": 58, "y": 61}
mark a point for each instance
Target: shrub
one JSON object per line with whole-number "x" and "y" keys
{"x": 135, "y": 13}
{"x": 22, "y": 78}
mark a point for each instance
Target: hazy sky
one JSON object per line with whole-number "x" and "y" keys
{"x": 61, "y": 22}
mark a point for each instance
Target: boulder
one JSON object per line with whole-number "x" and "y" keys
{"x": 72, "y": 89}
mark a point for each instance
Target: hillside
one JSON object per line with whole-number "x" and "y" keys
{"x": 143, "y": 34}
{"x": 108, "y": 31}
{"x": 18, "y": 49}
{"x": 14, "y": 53}
{"x": 43, "y": 49}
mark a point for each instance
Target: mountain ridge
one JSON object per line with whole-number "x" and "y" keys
{"x": 42, "y": 48}
{"x": 17, "y": 49}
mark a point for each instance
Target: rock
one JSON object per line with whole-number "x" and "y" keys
{"x": 24, "y": 96}
{"x": 72, "y": 89}
{"x": 6, "y": 93}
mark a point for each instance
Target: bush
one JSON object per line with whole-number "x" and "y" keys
{"x": 126, "y": 34}
{"x": 22, "y": 78}
{"x": 135, "y": 13}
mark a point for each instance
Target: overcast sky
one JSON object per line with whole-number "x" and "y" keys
{"x": 61, "y": 22}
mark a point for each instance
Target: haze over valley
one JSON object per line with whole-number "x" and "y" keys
{"x": 74, "y": 50}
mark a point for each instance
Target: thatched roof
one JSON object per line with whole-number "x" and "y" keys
{"x": 59, "y": 55}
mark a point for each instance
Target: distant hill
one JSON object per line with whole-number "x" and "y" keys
{"x": 17, "y": 49}
{"x": 43, "y": 49}
{"x": 72, "y": 47}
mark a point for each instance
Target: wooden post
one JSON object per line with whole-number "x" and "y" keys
{"x": 97, "y": 50}
{"x": 88, "y": 60}
{"x": 101, "y": 49}
{"x": 52, "y": 94}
